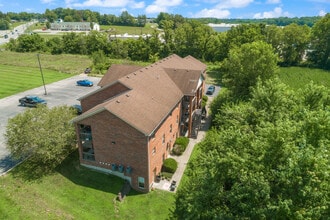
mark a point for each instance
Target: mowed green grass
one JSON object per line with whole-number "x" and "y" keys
{"x": 298, "y": 77}
{"x": 75, "y": 192}
{"x": 15, "y": 79}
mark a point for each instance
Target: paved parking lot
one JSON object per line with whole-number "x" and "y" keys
{"x": 64, "y": 92}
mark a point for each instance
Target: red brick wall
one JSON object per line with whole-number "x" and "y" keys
{"x": 94, "y": 99}
{"x": 114, "y": 141}
{"x": 156, "y": 159}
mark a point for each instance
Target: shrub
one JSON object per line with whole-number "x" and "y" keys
{"x": 183, "y": 141}
{"x": 178, "y": 149}
{"x": 170, "y": 165}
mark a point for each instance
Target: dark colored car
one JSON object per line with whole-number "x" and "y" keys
{"x": 84, "y": 82}
{"x": 32, "y": 101}
{"x": 78, "y": 109}
{"x": 87, "y": 70}
{"x": 210, "y": 90}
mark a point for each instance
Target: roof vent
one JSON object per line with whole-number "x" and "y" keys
{"x": 118, "y": 101}
{"x": 127, "y": 95}
{"x": 127, "y": 77}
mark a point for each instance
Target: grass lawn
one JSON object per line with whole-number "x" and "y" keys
{"x": 294, "y": 77}
{"x": 64, "y": 63}
{"x": 148, "y": 29}
{"x": 298, "y": 77}
{"x": 75, "y": 192}
{"x": 15, "y": 79}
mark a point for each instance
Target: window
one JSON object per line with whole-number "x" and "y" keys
{"x": 141, "y": 182}
{"x": 85, "y": 133}
{"x": 154, "y": 151}
{"x": 177, "y": 118}
{"x": 163, "y": 139}
{"x": 171, "y": 128}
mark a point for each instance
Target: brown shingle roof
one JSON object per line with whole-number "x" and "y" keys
{"x": 155, "y": 91}
{"x": 186, "y": 80}
{"x": 115, "y": 72}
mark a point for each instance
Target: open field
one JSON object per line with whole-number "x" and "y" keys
{"x": 20, "y": 71}
{"x": 294, "y": 77}
{"x": 111, "y": 29}
{"x": 298, "y": 77}
{"x": 75, "y": 192}
{"x": 15, "y": 79}
{"x": 64, "y": 63}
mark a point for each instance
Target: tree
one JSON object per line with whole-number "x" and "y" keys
{"x": 74, "y": 43}
{"x": 97, "y": 41}
{"x": 247, "y": 64}
{"x": 30, "y": 43}
{"x": 45, "y": 135}
{"x": 294, "y": 43}
{"x": 242, "y": 34}
{"x": 251, "y": 167}
{"x": 100, "y": 61}
{"x": 4, "y": 24}
{"x": 274, "y": 36}
{"x": 54, "y": 45}
{"x": 320, "y": 43}
{"x": 191, "y": 38}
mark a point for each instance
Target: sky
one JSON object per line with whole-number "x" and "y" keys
{"x": 186, "y": 8}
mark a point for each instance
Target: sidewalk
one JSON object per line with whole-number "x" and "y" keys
{"x": 184, "y": 158}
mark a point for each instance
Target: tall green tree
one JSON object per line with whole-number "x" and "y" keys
{"x": 294, "y": 44}
{"x": 74, "y": 43}
{"x": 320, "y": 43}
{"x": 30, "y": 43}
{"x": 45, "y": 135}
{"x": 95, "y": 41}
{"x": 248, "y": 64}
{"x": 257, "y": 167}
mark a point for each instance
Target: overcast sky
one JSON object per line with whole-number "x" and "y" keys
{"x": 186, "y": 8}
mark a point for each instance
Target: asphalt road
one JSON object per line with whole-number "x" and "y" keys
{"x": 14, "y": 33}
{"x": 64, "y": 92}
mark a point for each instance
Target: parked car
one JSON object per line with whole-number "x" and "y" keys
{"x": 84, "y": 82}
{"x": 32, "y": 101}
{"x": 210, "y": 90}
{"x": 78, "y": 109}
{"x": 88, "y": 70}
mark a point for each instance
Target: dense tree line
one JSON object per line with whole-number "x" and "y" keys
{"x": 281, "y": 21}
{"x": 294, "y": 44}
{"x": 266, "y": 156}
{"x": 264, "y": 159}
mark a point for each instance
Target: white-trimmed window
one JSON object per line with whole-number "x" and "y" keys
{"x": 154, "y": 151}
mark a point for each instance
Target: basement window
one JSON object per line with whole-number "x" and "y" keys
{"x": 141, "y": 182}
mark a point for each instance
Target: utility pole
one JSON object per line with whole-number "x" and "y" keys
{"x": 42, "y": 75}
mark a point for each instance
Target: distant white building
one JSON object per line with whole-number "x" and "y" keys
{"x": 74, "y": 26}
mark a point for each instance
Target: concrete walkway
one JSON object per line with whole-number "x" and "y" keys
{"x": 184, "y": 158}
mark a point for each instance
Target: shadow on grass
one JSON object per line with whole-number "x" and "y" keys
{"x": 31, "y": 171}
{"x": 71, "y": 169}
